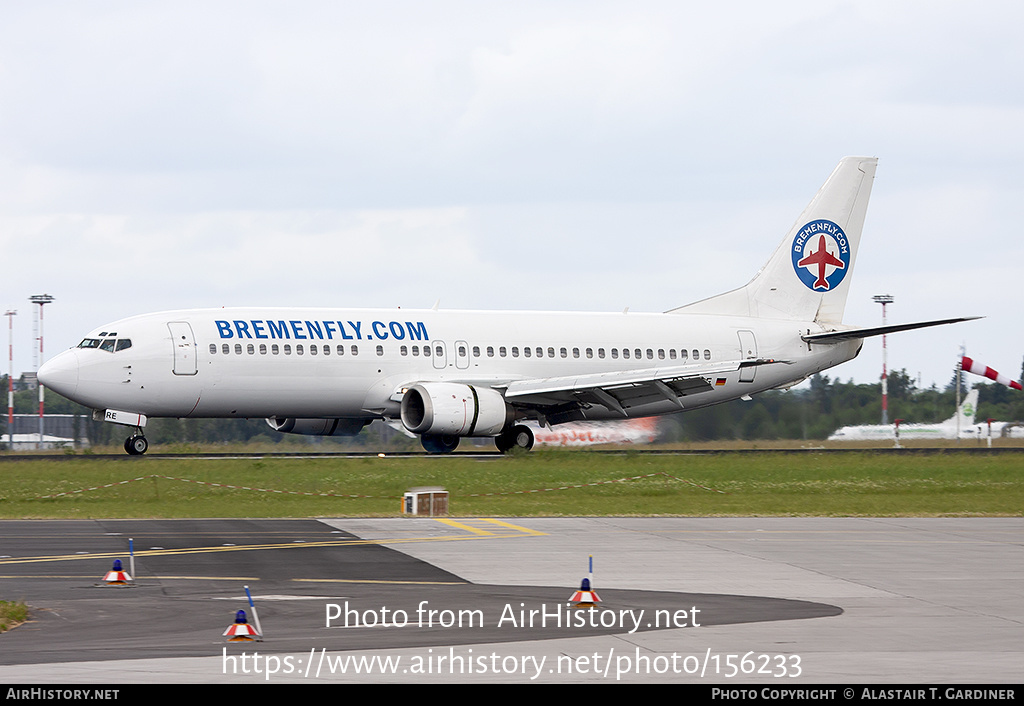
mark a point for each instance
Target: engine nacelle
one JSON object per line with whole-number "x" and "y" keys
{"x": 455, "y": 409}
{"x": 318, "y": 427}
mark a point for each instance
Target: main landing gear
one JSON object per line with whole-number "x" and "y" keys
{"x": 136, "y": 444}
{"x": 517, "y": 437}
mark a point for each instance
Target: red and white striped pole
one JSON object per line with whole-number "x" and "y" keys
{"x": 884, "y": 299}
{"x": 41, "y": 300}
{"x": 10, "y": 314}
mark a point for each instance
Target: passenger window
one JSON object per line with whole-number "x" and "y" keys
{"x": 615, "y": 353}
{"x": 327, "y": 349}
{"x": 299, "y": 349}
{"x": 238, "y": 349}
{"x": 707, "y": 354}
{"x": 312, "y": 350}
{"x": 490, "y": 351}
{"x": 515, "y": 351}
{"x": 380, "y": 349}
{"x": 213, "y": 349}
{"x": 341, "y": 349}
{"x": 564, "y": 353}
{"x": 527, "y": 352}
{"x": 683, "y": 354}
{"x": 501, "y": 351}
{"x": 263, "y": 349}
{"x": 287, "y": 349}
{"x": 540, "y": 352}
{"x": 590, "y": 352}
{"x": 696, "y": 354}
{"x": 575, "y": 352}
{"x": 650, "y": 354}
{"x": 275, "y": 349}
{"x": 250, "y": 349}
{"x": 476, "y": 351}
{"x": 225, "y": 349}
{"x": 625, "y": 353}
{"x": 355, "y": 349}
{"x": 672, "y": 353}
{"x": 600, "y": 352}
{"x": 551, "y": 352}
{"x": 404, "y": 350}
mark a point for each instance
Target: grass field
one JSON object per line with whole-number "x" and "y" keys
{"x": 536, "y": 484}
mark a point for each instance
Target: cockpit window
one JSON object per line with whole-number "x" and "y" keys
{"x": 110, "y": 345}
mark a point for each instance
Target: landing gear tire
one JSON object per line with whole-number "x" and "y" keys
{"x": 136, "y": 445}
{"x": 439, "y": 443}
{"x": 517, "y": 437}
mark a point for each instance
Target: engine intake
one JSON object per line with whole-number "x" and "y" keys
{"x": 455, "y": 409}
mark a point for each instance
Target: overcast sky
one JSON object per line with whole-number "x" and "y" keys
{"x": 529, "y": 155}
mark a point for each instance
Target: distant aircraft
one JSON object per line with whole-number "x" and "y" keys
{"x": 453, "y": 374}
{"x": 942, "y": 430}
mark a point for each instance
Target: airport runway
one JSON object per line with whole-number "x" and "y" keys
{"x": 775, "y": 601}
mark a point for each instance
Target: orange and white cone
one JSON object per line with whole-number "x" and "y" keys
{"x": 117, "y": 576}
{"x": 240, "y": 630}
{"x": 584, "y": 598}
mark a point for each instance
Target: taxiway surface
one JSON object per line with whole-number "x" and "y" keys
{"x": 804, "y": 600}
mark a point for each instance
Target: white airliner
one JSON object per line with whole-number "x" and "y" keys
{"x": 453, "y": 374}
{"x": 942, "y": 430}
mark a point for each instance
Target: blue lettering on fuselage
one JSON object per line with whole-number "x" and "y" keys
{"x": 304, "y": 330}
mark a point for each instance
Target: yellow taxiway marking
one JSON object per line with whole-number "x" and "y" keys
{"x": 475, "y": 534}
{"x": 464, "y": 524}
{"x": 413, "y": 583}
{"x": 524, "y": 530}
{"x": 137, "y": 580}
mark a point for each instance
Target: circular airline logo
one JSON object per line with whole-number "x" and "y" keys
{"x": 821, "y": 255}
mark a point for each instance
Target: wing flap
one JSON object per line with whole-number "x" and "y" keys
{"x": 618, "y": 391}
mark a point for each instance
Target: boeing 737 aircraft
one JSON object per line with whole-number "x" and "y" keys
{"x": 453, "y": 374}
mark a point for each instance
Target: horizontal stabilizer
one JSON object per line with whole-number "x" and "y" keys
{"x": 850, "y": 334}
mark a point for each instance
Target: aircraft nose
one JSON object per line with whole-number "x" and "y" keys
{"x": 60, "y": 373}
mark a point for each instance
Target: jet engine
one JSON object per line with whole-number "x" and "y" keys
{"x": 318, "y": 427}
{"x": 454, "y": 409}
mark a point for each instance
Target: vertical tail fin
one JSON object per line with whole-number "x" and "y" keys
{"x": 808, "y": 276}
{"x": 967, "y": 410}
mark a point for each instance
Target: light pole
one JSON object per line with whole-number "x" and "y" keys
{"x": 10, "y": 314}
{"x": 41, "y": 300}
{"x": 884, "y": 299}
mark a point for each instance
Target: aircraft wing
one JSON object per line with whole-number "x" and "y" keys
{"x": 848, "y": 334}
{"x": 560, "y": 398}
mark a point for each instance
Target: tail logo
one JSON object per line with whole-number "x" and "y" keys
{"x": 821, "y": 255}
